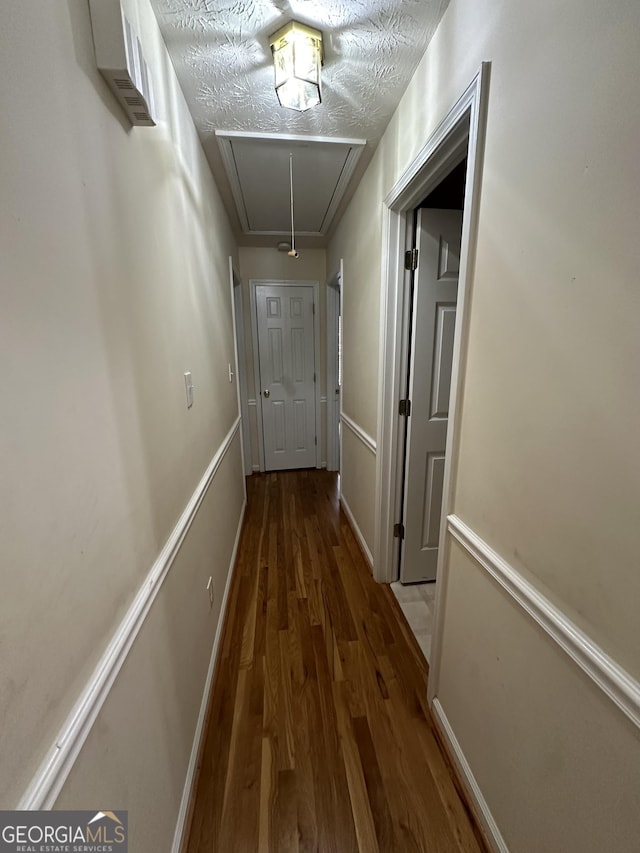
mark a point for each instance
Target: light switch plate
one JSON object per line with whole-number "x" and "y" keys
{"x": 188, "y": 387}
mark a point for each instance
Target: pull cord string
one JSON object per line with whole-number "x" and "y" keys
{"x": 293, "y": 238}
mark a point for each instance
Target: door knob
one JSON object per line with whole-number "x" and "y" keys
{"x": 267, "y": 393}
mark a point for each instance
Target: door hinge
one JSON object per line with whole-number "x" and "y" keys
{"x": 314, "y": 377}
{"x": 313, "y": 307}
{"x": 405, "y": 407}
{"x": 411, "y": 259}
{"x": 398, "y": 531}
{"x": 316, "y": 440}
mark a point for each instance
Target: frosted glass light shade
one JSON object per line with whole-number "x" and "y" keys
{"x": 297, "y": 57}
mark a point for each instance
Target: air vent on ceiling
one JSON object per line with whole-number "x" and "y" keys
{"x": 120, "y": 61}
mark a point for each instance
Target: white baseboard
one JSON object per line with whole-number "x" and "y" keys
{"x": 610, "y": 677}
{"x": 59, "y": 760}
{"x": 356, "y": 530}
{"x": 472, "y": 788}
{"x": 178, "y": 837}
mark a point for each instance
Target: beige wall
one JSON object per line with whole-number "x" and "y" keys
{"x": 549, "y": 464}
{"x": 357, "y": 241}
{"x": 555, "y": 759}
{"x": 113, "y": 281}
{"x": 138, "y": 758}
{"x": 358, "y": 482}
{"x": 270, "y": 264}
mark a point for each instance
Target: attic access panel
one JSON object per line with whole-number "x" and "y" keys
{"x": 258, "y": 169}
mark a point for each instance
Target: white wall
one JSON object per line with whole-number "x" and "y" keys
{"x": 270, "y": 264}
{"x": 114, "y": 281}
{"x": 548, "y": 465}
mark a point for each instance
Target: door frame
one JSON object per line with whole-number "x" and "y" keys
{"x": 253, "y": 284}
{"x": 237, "y": 313}
{"x": 334, "y": 402}
{"x": 461, "y": 131}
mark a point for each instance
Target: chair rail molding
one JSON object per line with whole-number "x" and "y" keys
{"x": 610, "y": 677}
{"x": 357, "y": 430}
{"x": 50, "y": 777}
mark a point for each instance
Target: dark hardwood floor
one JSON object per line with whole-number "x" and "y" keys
{"x": 319, "y": 736}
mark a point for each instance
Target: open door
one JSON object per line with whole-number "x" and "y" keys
{"x": 435, "y": 291}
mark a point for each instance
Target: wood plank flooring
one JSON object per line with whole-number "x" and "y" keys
{"x": 318, "y": 737}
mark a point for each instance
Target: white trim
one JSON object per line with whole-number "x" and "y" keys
{"x": 357, "y": 430}
{"x": 213, "y": 662}
{"x": 257, "y": 401}
{"x": 253, "y": 284}
{"x": 478, "y": 98}
{"x": 287, "y": 137}
{"x": 323, "y": 420}
{"x": 225, "y": 137}
{"x": 461, "y": 130}
{"x": 356, "y": 530}
{"x": 285, "y": 233}
{"x": 616, "y": 682}
{"x": 333, "y": 292}
{"x": 226, "y": 152}
{"x": 343, "y": 181}
{"x": 472, "y": 788}
{"x": 52, "y": 773}
{"x": 239, "y": 350}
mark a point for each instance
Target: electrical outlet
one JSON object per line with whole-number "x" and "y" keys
{"x": 210, "y": 591}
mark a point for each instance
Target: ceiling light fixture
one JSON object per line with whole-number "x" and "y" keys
{"x": 297, "y": 57}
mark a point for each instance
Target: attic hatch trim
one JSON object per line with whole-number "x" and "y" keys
{"x": 225, "y": 142}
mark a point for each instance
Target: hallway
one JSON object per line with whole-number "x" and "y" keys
{"x": 318, "y": 735}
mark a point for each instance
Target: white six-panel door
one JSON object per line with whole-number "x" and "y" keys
{"x": 285, "y": 325}
{"x": 434, "y": 317}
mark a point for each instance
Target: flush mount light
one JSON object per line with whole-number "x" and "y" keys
{"x": 297, "y": 57}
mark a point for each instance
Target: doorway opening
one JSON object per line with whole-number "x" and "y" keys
{"x": 459, "y": 137}
{"x": 428, "y": 352}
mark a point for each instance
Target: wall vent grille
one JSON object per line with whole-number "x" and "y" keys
{"x": 120, "y": 61}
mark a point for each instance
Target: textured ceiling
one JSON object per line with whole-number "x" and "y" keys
{"x": 220, "y": 50}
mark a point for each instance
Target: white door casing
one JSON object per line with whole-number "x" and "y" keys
{"x": 334, "y": 298}
{"x": 240, "y": 367}
{"x": 435, "y": 292}
{"x": 287, "y": 374}
{"x": 461, "y": 132}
